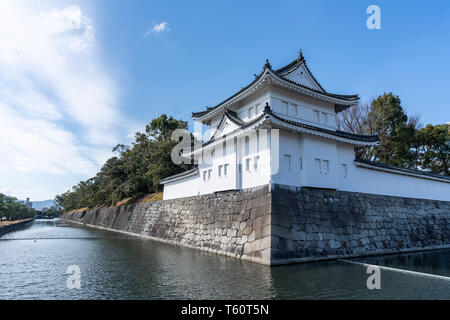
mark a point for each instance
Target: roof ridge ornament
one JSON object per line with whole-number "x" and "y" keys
{"x": 300, "y": 55}
{"x": 267, "y": 108}
{"x": 267, "y": 65}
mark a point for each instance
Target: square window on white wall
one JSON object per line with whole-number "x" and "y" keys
{"x": 326, "y": 166}
{"x": 324, "y": 118}
{"x": 247, "y": 145}
{"x": 318, "y": 165}
{"x": 285, "y": 107}
{"x": 317, "y": 116}
{"x": 257, "y": 108}
{"x": 287, "y": 161}
{"x": 294, "y": 109}
{"x": 344, "y": 170}
{"x": 255, "y": 163}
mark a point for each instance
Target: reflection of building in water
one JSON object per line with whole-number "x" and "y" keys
{"x": 282, "y": 129}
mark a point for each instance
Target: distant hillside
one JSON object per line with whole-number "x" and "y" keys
{"x": 38, "y": 205}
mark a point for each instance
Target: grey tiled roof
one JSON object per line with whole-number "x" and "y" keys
{"x": 338, "y": 133}
{"x": 267, "y": 110}
{"x": 179, "y": 175}
{"x": 402, "y": 169}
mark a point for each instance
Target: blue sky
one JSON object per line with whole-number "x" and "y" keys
{"x": 78, "y": 77}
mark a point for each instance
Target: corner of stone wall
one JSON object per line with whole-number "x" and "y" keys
{"x": 258, "y": 245}
{"x": 283, "y": 201}
{"x": 270, "y": 242}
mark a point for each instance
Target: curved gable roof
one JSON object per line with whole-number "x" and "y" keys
{"x": 232, "y": 117}
{"x": 300, "y": 63}
{"x": 282, "y": 74}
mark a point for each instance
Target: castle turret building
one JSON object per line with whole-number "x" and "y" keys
{"x": 282, "y": 129}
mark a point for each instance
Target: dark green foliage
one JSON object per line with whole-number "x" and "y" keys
{"x": 388, "y": 119}
{"x": 135, "y": 171}
{"x": 402, "y": 141}
{"x": 13, "y": 210}
{"x": 435, "y": 148}
{"x": 51, "y": 213}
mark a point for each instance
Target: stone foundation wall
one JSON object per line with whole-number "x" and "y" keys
{"x": 314, "y": 224}
{"x": 232, "y": 223}
{"x": 278, "y": 224}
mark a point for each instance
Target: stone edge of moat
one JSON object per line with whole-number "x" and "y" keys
{"x": 14, "y": 226}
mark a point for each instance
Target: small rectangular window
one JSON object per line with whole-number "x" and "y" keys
{"x": 219, "y": 171}
{"x": 257, "y": 108}
{"x": 224, "y": 149}
{"x": 344, "y": 170}
{"x": 318, "y": 165}
{"x": 250, "y": 112}
{"x": 316, "y": 116}
{"x": 255, "y": 163}
{"x": 213, "y": 153}
{"x": 225, "y": 169}
{"x": 294, "y": 109}
{"x": 287, "y": 161}
{"x": 247, "y": 145}
{"x": 209, "y": 174}
{"x": 324, "y": 118}
{"x": 301, "y": 163}
{"x": 247, "y": 164}
{"x": 285, "y": 106}
{"x": 326, "y": 166}
{"x": 204, "y": 175}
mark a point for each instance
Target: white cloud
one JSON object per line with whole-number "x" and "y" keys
{"x": 59, "y": 110}
{"x": 70, "y": 27}
{"x": 158, "y": 27}
{"x": 22, "y": 194}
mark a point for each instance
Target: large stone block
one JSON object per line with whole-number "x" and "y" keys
{"x": 261, "y": 221}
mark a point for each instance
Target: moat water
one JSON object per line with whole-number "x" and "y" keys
{"x": 34, "y": 262}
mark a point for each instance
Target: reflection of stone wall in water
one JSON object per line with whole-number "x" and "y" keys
{"x": 233, "y": 223}
{"x": 281, "y": 224}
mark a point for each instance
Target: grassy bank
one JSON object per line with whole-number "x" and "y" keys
{"x": 7, "y": 223}
{"x": 148, "y": 198}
